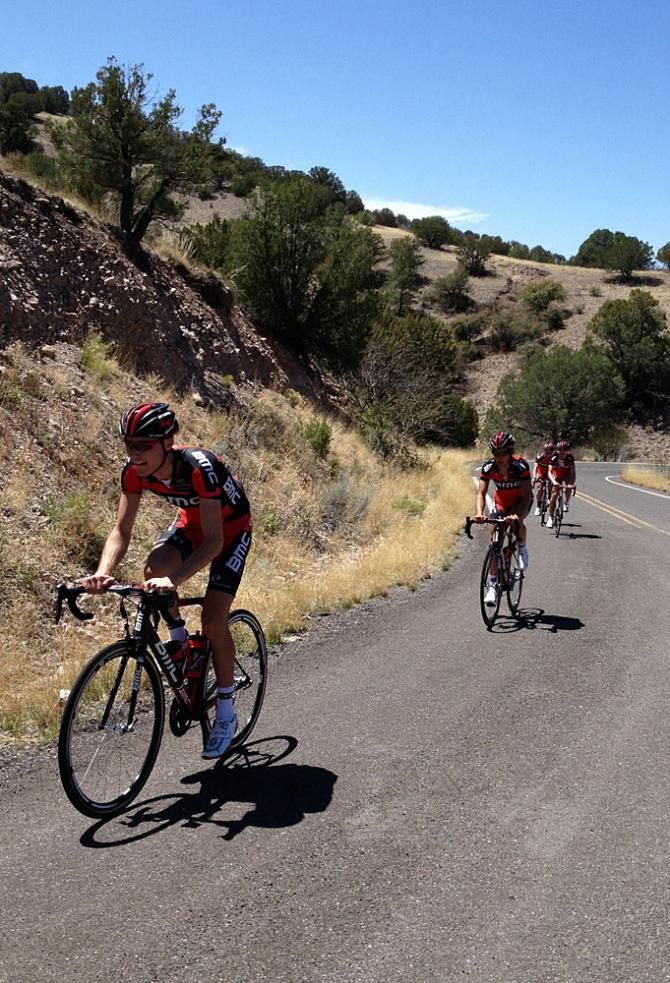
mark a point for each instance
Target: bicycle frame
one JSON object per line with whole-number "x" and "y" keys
{"x": 143, "y": 636}
{"x": 544, "y": 498}
{"x": 503, "y": 531}
{"x": 500, "y": 562}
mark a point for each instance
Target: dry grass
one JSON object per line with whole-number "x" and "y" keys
{"x": 657, "y": 478}
{"x": 331, "y": 527}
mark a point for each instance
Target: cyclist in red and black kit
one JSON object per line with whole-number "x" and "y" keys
{"x": 513, "y": 496}
{"x": 213, "y": 526}
{"x": 561, "y": 472}
{"x": 541, "y": 472}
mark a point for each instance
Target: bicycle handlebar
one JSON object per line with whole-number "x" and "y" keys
{"x": 469, "y": 523}
{"x": 70, "y": 592}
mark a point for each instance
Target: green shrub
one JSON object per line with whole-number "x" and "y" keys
{"x": 451, "y": 293}
{"x": 408, "y": 504}
{"x": 538, "y": 296}
{"x": 95, "y": 356}
{"x": 318, "y": 433}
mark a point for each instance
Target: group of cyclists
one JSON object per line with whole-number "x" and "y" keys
{"x": 213, "y": 527}
{"x": 554, "y": 466}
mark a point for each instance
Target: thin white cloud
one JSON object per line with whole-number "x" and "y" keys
{"x": 455, "y": 215}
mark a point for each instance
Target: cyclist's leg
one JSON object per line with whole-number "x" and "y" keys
{"x": 169, "y": 551}
{"x": 224, "y": 579}
{"x": 552, "y": 500}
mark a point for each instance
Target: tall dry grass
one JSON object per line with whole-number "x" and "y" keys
{"x": 648, "y": 476}
{"x": 333, "y": 524}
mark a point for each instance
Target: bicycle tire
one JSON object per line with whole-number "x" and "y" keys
{"x": 94, "y": 760}
{"x": 544, "y": 506}
{"x": 489, "y": 614}
{"x": 514, "y": 585}
{"x": 251, "y": 676}
{"x": 558, "y": 515}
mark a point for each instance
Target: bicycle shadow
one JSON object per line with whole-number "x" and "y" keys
{"x": 278, "y": 796}
{"x": 536, "y": 619}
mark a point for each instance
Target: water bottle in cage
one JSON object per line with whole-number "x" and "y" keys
{"x": 194, "y": 661}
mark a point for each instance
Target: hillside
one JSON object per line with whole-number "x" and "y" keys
{"x": 586, "y": 290}
{"x": 65, "y": 275}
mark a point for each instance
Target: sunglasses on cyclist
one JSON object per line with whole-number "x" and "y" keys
{"x": 140, "y": 446}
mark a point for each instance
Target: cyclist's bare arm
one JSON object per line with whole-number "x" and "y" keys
{"x": 211, "y": 522}
{"x": 116, "y": 545}
{"x": 481, "y": 500}
{"x": 527, "y": 503}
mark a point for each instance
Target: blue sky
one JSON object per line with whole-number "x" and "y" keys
{"x": 534, "y": 121}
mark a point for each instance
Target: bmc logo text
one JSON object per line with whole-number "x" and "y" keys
{"x": 231, "y": 491}
{"x": 239, "y": 554}
{"x": 206, "y": 465}
{"x": 181, "y": 502}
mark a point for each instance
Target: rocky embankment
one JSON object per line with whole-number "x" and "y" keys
{"x": 64, "y": 274}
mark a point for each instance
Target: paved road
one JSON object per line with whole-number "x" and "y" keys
{"x": 425, "y": 800}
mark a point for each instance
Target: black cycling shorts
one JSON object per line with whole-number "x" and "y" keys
{"x": 225, "y": 572}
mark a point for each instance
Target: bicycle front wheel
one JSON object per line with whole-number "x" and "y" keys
{"x": 250, "y": 676}
{"x": 491, "y": 563}
{"x": 109, "y": 737}
{"x": 558, "y": 516}
{"x": 514, "y": 582}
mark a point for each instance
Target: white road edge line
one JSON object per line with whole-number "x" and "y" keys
{"x": 622, "y": 484}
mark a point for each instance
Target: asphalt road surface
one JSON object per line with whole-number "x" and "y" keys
{"x": 423, "y": 799}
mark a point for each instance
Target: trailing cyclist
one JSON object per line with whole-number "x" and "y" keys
{"x": 213, "y": 526}
{"x": 513, "y": 495}
{"x": 541, "y": 472}
{"x": 561, "y": 472}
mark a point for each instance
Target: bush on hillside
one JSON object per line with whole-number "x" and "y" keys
{"x": 309, "y": 276}
{"x": 404, "y": 389}
{"x": 433, "y": 231}
{"x": 451, "y": 293}
{"x": 404, "y": 278}
{"x": 559, "y": 393}
{"x": 473, "y": 254}
{"x": 633, "y": 333}
{"x": 539, "y": 295}
{"x": 614, "y": 251}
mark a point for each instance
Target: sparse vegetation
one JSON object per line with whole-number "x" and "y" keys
{"x": 648, "y": 476}
{"x": 323, "y": 522}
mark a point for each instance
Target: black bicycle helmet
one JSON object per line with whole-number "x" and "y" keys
{"x": 151, "y": 420}
{"x": 501, "y": 441}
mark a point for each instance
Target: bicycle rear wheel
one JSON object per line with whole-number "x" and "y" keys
{"x": 514, "y": 584}
{"x": 107, "y": 744}
{"x": 490, "y": 612}
{"x": 250, "y": 676}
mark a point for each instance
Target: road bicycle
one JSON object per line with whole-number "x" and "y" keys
{"x": 559, "y": 511}
{"x": 502, "y": 562}
{"x": 544, "y": 500}
{"x": 113, "y": 721}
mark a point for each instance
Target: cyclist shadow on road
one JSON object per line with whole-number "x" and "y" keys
{"x": 278, "y": 796}
{"x": 536, "y": 618}
{"x": 566, "y": 532}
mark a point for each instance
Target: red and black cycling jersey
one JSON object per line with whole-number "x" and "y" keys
{"x": 543, "y": 459}
{"x": 561, "y": 465}
{"x": 518, "y": 473}
{"x": 510, "y": 488}
{"x": 196, "y": 474}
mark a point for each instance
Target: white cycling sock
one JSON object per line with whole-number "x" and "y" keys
{"x": 224, "y": 703}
